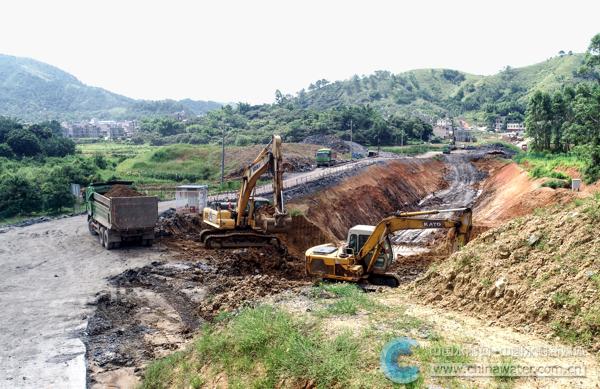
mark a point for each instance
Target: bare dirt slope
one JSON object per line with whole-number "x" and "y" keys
{"x": 538, "y": 273}
{"x": 372, "y": 194}
{"x": 50, "y": 272}
{"x": 510, "y": 192}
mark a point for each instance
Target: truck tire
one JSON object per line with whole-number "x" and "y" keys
{"x": 101, "y": 236}
{"x": 107, "y": 244}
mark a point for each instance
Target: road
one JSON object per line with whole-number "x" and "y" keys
{"x": 50, "y": 272}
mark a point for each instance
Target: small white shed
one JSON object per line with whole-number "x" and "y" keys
{"x": 191, "y": 198}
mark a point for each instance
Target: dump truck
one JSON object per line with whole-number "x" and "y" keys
{"x": 325, "y": 157}
{"x": 117, "y": 213}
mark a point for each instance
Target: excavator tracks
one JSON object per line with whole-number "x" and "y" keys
{"x": 215, "y": 239}
{"x": 388, "y": 279}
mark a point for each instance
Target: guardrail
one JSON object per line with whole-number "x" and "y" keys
{"x": 294, "y": 182}
{"x": 168, "y": 192}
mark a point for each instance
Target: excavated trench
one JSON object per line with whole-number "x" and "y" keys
{"x": 155, "y": 309}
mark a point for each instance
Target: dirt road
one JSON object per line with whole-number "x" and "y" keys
{"x": 462, "y": 177}
{"x": 50, "y": 272}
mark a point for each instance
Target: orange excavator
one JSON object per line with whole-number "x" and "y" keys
{"x": 241, "y": 226}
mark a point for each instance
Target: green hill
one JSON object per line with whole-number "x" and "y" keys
{"x": 434, "y": 92}
{"x": 35, "y": 91}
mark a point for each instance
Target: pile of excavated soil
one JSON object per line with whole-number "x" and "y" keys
{"x": 185, "y": 226}
{"x": 538, "y": 273}
{"x": 122, "y": 191}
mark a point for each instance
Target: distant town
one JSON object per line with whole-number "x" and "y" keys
{"x": 444, "y": 128}
{"x": 105, "y": 129}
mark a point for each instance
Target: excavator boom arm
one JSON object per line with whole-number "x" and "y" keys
{"x": 405, "y": 221}
{"x": 266, "y": 159}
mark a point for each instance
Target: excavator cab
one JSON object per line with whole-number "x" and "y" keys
{"x": 358, "y": 236}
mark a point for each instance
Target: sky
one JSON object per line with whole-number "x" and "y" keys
{"x": 243, "y": 50}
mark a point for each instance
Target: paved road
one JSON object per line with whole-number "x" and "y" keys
{"x": 50, "y": 272}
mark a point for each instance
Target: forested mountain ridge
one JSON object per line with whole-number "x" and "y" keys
{"x": 437, "y": 92}
{"x": 32, "y": 90}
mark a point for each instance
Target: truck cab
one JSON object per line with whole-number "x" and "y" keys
{"x": 325, "y": 157}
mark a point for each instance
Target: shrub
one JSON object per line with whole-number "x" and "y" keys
{"x": 555, "y": 184}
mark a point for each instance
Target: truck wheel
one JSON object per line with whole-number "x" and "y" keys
{"x": 107, "y": 244}
{"x": 148, "y": 242}
{"x": 101, "y": 236}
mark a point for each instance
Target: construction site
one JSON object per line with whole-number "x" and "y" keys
{"x": 467, "y": 245}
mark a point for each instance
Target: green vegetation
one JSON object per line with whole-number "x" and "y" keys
{"x": 37, "y": 165}
{"x": 504, "y": 372}
{"x": 349, "y": 299}
{"x": 567, "y": 120}
{"x": 268, "y": 346}
{"x": 260, "y": 347}
{"x": 412, "y": 149}
{"x": 250, "y": 124}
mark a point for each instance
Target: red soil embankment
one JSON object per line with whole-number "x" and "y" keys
{"x": 375, "y": 193}
{"x": 509, "y": 192}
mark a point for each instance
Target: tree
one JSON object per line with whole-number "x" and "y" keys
{"x": 18, "y": 196}
{"x": 6, "y": 151}
{"x": 58, "y": 146}
{"x": 6, "y": 126}
{"x": 24, "y": 143}
{"x": 56, "y": 193}
{"x": 538, "y": 120}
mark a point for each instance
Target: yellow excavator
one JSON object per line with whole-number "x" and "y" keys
{"x": 239, "y": 225}
{"x": 367, "y": 253}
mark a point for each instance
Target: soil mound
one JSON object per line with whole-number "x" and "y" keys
{"x": 122, "y": 191}
{"x": 539, "y": 273}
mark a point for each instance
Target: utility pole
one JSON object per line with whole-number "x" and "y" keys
{"x": 222, "y": 157}
{"x": 351, "y": 144}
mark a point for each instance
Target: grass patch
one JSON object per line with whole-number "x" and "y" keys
{"x": 565, "y": 300}
{"x": 348, "y": 299}
{"x": 261, "y": 347}
{"x": 412, "y": 149}
{"x": 504, "y": 372}
{"x": 296, "y": 212}
{"x": 540, "y": 165}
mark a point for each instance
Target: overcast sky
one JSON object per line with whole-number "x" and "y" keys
{"x": 244, "y": 50}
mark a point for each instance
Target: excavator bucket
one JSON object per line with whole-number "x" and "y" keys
{"x": 277, "y": 223}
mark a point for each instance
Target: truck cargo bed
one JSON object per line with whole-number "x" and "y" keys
{"x": 126, "y": 213}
